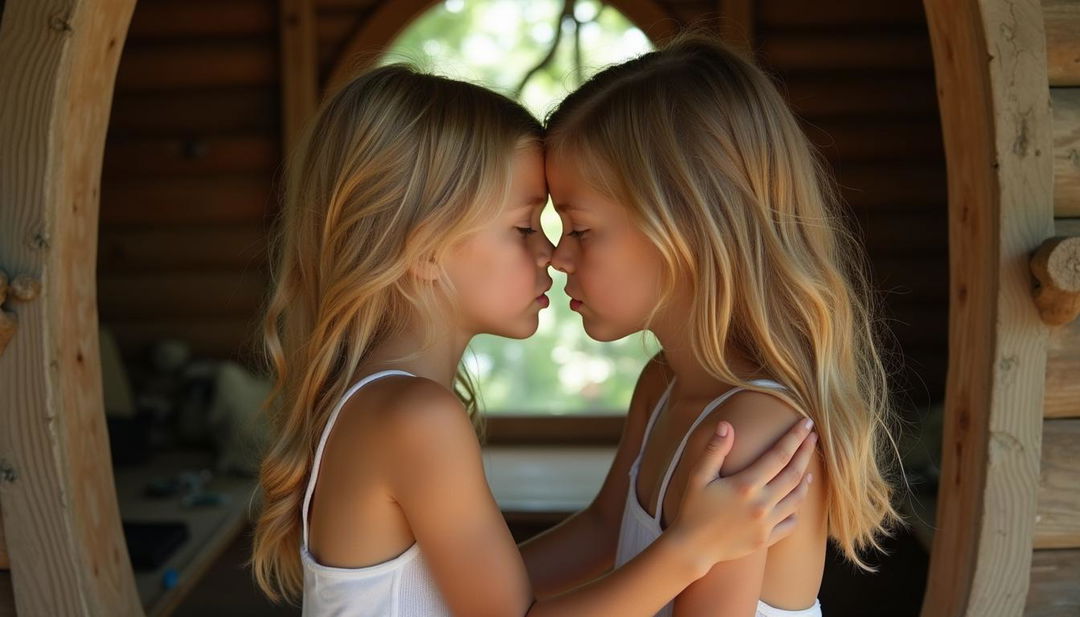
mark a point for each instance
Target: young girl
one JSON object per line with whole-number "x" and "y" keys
{"x": 410, "y": 225}
{"x": 693, "y": 207}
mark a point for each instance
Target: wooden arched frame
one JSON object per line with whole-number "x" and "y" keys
{"x": 994, "y": 100}
{"x": 60, "y": 514}
{"x": 57, "y": 496}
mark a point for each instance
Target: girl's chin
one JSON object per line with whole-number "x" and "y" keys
{"x": 598, "y": 332}
{"x": 523, "y": 330}
{"x": 605, "y": 331}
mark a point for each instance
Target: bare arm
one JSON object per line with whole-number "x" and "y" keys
{"x": 582, "y": 547}
{"x": 733, "y": 588}
{"x": 439, "y": 483}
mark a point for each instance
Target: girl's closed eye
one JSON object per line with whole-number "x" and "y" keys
{"x": 577, "y": 233}
{"x": 526, "y": 231}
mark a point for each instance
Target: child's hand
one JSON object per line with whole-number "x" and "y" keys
{"x": 724, "y": 518}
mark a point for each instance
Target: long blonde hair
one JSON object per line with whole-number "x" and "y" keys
{"x": 396, "y": 167}
{"x": 697, "y": 143}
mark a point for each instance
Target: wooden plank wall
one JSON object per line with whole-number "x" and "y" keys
{"x": 861, "y": 77}
{"x": 187, "y": 185}
{"x": 335, "y": 23}
{"x": 1055, "y": 568}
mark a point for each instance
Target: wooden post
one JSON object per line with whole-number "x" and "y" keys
{"x": 299, "y": 68}
{"x": 737, "y": 26}
{"x": 60, "y": 515}
{"x": 990, "y": 64}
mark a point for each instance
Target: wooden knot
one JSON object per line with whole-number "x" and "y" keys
{"x": 1057, "y": 267}
{"x": 22, "y": 289}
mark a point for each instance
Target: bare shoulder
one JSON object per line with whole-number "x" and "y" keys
{"x": 366, "y": 460}
{"x": 759, "y": 420}
{"x": 650, "y": 386}
{"x": 415, "y": 413}
{"x": 790, "y": 574}
{"x": 396, "y": 417}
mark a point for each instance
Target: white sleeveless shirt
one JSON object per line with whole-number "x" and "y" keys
{"x": 639, "y": 529}
{"x": 400, "y": 587}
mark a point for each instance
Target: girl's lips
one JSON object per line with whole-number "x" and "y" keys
{"x": 543, "y": 301}
{"x": 574, "y": 304}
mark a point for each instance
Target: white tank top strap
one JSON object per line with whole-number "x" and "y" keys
{"x": 326, "y": 433}
{"x": 716, "y": 402}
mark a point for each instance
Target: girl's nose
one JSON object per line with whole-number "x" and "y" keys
{"x": 561, "y": 259}
{"x": 543, "y": 256}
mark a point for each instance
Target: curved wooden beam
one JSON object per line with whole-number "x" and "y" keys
{"x": 990, "y": 63}
{"x": 60, "y": 514}
{"x": 390, "y": 19}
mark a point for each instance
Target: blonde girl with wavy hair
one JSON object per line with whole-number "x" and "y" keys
{"x": 694, "y": 207}
{"x": 409, "y": 226}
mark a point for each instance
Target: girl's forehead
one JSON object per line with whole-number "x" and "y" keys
{"x": 569, "y": 181}
{"x": 562, "y": 170}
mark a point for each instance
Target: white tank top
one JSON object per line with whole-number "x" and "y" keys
{"x": 638, "y": 529}
{"x": 400, "y": 587}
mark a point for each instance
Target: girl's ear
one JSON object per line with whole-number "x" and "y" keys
{"x": 425, "y": 269}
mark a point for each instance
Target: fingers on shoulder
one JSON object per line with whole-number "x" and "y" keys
{"x": 759, "y": 419}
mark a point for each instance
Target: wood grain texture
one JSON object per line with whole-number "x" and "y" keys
{"x": 184, "y": 248}
{"x": 251, "y": 153}
{"x": 5, "y": 560}
{"x": 857, "y": 13}
{"x": 737, "y": 22}
{"x": 162, "y": 20}
{"x": 996, "y": 122}
{"x": 1062, "y": 398}
{"x": 1057, "y": 523}
{"x": 299, "y": 68}
{"x": 1062, "y": 19}
{"x": 190, "y": 200}
{"x": 218, "y": 294}
{"x": 60, "y": 514}
{"x": 847, "y": 50}
{"x": 1066, "y": 103}
{"x": 195, "y": 63}
{"x": 235, "y": 338}
{"x": 1054, "y": 592}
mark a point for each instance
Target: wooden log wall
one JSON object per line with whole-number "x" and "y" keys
{"x": 193, "y": 147}
{"x": 861, "y": 77}
{"x": 1055, "y": 568}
